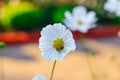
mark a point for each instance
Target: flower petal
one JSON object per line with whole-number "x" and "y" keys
{"x": 79, "y": 11}
{"x": 110, "y": 6}
{"x": 91, "y": 17}
{"x": 39, "y": 77}
{"x": 49, "y": 33}
{"x": 49, "y": 54}
{"x": 44, "y": 44}
{"x": 59, "y": 29}
{"x": 68, "y": 15}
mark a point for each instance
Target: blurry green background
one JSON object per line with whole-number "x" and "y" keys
{"x": 30, "y": 15}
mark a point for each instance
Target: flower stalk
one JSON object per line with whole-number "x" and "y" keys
{"x": 53, "y": 69}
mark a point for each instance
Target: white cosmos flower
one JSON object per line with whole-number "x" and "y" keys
{"x": 80, "y": 19}
{"x": 39, "y": 77}
{"x": 113, "y": 6}
{"x": 55, "y": 42}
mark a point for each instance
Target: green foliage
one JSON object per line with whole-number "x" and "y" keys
{"x": 28, "y": 20}
{"x": 1, "y": 27}
{"x": 58, "y": 14}
{"x": 49, "y": 9}
{"x": 2, "y": 45}
{"x": 27, "y": 16}
{"x": 24, "y": 10}
{"x": 117, "y": 20}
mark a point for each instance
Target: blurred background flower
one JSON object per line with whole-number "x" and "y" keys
{"x": 113, "y": 6}
{"x": 32, "y": 15}
{"x": 80, "y": 19}
{"x": 39, "y": 77}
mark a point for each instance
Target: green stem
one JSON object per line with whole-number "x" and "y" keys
{"x": 51, "y": 77}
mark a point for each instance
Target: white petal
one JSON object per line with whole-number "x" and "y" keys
{"x": 59, "y": 29}
{"x": 118, "y": 11}
{"x": 48, "y": 32}
{"x": 64, "y": 52}
{"x": 84, "y": 28}
{"x": 39, "y": 77}
{"x": 49, "y": 54}
{"x": 70, "y": 44}
{"x": 68, "y": 15}
{"x": 71, "y": 24}
{"x": 44, "y": 44}
{"x": 110, "y": 6}
{"x": 67, "y": 35}
{"x": 91, "y": 17}
{"x": 59, "y": 56}
{"x": 69, "y": 41}
{"x": 79, "y": 11}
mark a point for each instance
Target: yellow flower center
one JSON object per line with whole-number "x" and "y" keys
{"x": 80, "y": 22}
{"x": 58, "y": 44}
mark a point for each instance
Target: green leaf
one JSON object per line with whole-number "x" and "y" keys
{"x": 2, "y": 45}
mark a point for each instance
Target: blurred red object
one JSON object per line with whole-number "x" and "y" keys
{"x": 19, "y": 37}
{"x": 23, "y": 37}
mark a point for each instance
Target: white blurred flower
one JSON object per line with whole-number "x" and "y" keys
{"x": 56, "y": 41}
{"x": 113, "y": 6}
{"x": 80, "y": 19}
{"x": 39, "y": 77}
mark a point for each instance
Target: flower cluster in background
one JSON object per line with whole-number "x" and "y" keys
{"x": 34, "y": 15}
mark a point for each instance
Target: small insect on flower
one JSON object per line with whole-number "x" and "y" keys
{"x": 80, "y": 19}
{"x": 39, "y": 77}
{"x": 56, "y": 42}
{"x": 113, "y": 6}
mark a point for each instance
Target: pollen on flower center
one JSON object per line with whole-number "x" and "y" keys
{"x": 58, "y": 44}
{"x": 80, "y": 22}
